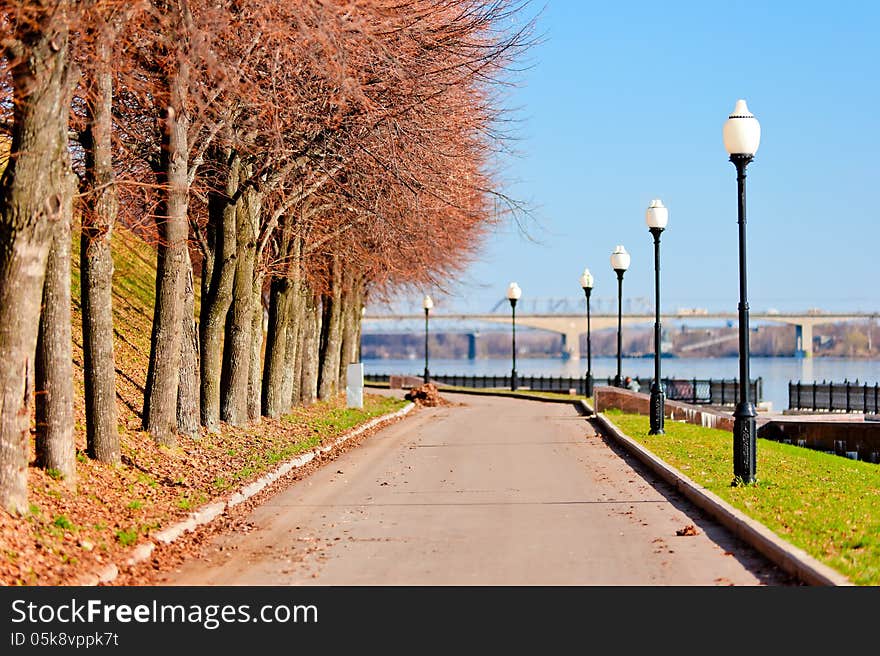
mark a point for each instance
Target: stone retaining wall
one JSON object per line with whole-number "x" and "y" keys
{"x": 605, "y": 397}
{"x": 859, "y": 440}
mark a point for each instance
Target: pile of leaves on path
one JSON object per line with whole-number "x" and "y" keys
{"x": 690, "y": 529}
{"x": 426, "y": 395}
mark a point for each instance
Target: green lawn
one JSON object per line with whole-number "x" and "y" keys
{"x": 827, "y": 505}
{"x": 336, "y": 420}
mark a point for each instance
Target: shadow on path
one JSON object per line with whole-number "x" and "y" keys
{"x": 766, "y": 571}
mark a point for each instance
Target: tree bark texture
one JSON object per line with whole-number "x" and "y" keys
{"x": 96, "y": 270}
{"x": 235, "y": 370}
{"x": 218, "y": 274}
{"x": 160, "y": 399}
{"x": 32, "y": 192}
{"x": 351, "y": 314}
{"x": 345, "y": 335}
{"x": 55, "y": 446}
{"x": 274, "y": 403}
{"x": 257, "y": 338}
{"x": 331, "y": 335}
{"x": 281, "y": 335}
{"x": 188, "y": 387}
{"x": 360, "y": 325}
{"x": 309, "y": 349}
{"x": 292, "y": 381}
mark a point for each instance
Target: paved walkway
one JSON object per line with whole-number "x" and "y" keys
{"x": 490, "y": 491}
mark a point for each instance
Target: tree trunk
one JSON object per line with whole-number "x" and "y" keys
{"x": 188, "y": 388}
{"x": 292, "y": 383}
{"x": 281, "y": 335}
{"x": 278, "y": 336}
{"x": 346, "y": 336}
{"x": 235, "y": 371}
{"x": 160, "y": 399}
{"x": 32, "y": 192}
{"x": 55, "y": 447}
{"x": 96, "y": 271}
{"x": 257, "y": 332}
{"x": 309, "y": 349}
{"x": 218, "y": 274}
{"x": 331, "y": 336}
{"x": 360, "y": 325}
{"x": 351, "y": 314}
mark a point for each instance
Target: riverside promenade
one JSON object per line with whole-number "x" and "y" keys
{"x": 486, "y": 491}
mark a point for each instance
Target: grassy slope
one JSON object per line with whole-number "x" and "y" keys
{"x": 116, "y": 507}
{"x": 827, "y": 505}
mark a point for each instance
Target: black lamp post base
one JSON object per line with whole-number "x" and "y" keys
{"x": 588, "y": 387}
{"x": 427, "y": 376}
{"x": 744, "y": 443}
{"x": 617, "y": 381}
{"x": 514, "y": 383}
{"x": 657, "y": 413}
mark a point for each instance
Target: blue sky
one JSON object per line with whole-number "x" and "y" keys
{"x": 624, "y": 102}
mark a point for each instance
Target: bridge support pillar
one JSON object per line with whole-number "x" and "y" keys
{"x": 803, "y": 340}
{"x": 472, "y": 346}
{"x": 571, "y": 346}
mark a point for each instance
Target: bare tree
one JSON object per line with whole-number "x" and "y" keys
{"x": 35, "y": 192}
{"x": 55, "y": 446}
{"x": 103, "y": 23}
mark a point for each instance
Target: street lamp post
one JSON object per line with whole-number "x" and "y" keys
{"x": 620, "y": 263}
{"x": 656, "y": 216}
{"x": 587, "y": 285}
{"x": 513, "y": 295}
{"x": 427, "y": 304}
{"x": 742, "y": 134}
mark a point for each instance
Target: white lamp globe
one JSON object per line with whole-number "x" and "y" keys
{"x": 427, "y": 303}
{"x": 619, "y": 259}
{"x": 657, "y": 215}
{"x": 586, "y": 279}
{"x": 742, "y": 132}
{"x": 513, "y": 292}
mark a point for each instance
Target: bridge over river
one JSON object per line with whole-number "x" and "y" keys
{"x": 571, "y": 326}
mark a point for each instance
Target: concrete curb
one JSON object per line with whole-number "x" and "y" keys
{"x": 214, "y": 509}
{"x": 585, "y": 408}
{"x": 790, "y": 558}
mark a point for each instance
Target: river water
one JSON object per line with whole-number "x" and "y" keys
{"x": 775, "y": 372}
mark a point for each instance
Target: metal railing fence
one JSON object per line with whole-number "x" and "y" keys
{"x": 846, "y": 396}
{"x": 699, "y": 391}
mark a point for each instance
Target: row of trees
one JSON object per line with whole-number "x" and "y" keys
{"x": 293, "y": 158}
